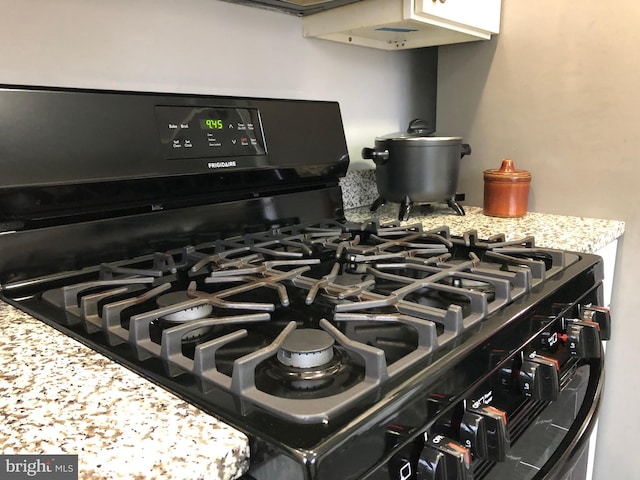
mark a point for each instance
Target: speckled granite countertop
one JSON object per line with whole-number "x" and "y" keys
{"x": 59, "y": 397}
{"x": 578, "y": 234}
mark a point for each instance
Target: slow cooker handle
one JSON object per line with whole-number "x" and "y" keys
{"x": 466, "y": 150}
{"x": 380, "y": 158}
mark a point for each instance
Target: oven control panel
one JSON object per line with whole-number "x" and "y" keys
{"x": 209, "y": 132}
{"x": 101, "y": 136}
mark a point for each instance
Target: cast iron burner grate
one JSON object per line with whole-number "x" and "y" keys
{"x": 382, "y": 298}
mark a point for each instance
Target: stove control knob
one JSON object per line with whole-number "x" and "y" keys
{"x": 601, "y": 316}
{"x": 484, "y": 432}
{"x": 432, "y": 465}
{"x": 444, "y": 459}
{"x": 583, "y": 339}
{"x": 539, "y": 378}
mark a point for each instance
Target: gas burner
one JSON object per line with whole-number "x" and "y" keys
{"x": 469, "y": 285}
{"x": 309, "y": 362}
{"x": 184, "y": 316}
{"x": 353, "y": 279}
{"x": 473, "y": 285}
{"x": 306, "y": 348}
{"x": 312, "y": 379}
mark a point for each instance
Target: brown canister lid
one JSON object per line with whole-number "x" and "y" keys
{"x": 507, "y": 173}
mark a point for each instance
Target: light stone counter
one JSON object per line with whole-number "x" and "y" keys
{"x": 59, "y": 397}
{"x": 578, "y": 234}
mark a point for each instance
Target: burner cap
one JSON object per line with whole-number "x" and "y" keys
{"x": 474, "y": 285}
{"x": 350, "y": 279}
{"x": 186, "y": 315}
{"x": 306, "y": 348}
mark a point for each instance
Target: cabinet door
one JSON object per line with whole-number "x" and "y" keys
{"x": 608, "y": 254}
{"x": 479, "y": 14}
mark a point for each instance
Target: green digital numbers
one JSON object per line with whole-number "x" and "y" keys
{"x": 213, "y": 124}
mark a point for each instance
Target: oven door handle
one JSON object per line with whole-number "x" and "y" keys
{"x": 576, "y": 440}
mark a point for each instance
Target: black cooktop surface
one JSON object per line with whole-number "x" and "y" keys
{"x": 304, "y": 324}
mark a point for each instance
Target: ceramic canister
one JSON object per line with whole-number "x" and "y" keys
{"x": 506, "y": 191}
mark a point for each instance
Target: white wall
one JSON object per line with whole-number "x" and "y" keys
{"x": 559, "y": 92}
{"x": 201, "y": 46}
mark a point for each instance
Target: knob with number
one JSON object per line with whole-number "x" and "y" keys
{"x": 539, "y": 378}
{"x": 484, "y": 432}
{"x": 601, "y": 316}
{"x": 443, "y": 459}
{"x": 583, "y": 339}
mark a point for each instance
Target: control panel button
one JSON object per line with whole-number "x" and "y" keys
{"x": 484, "y": 432}
{"x": 443, "y": 459}
{"x": 550, "y": 341}
{"x": 583, "y": 339}
{"x": 539, "y": 378}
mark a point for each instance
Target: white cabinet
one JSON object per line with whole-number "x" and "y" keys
{"x": 608, "y": 254}
{"x": 478, "y": 15}
{"x": 404, "y": 24}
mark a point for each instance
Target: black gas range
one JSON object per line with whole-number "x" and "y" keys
{"x": 201, "y": 241}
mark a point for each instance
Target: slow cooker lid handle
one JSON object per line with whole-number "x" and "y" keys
{"x": 420, "y": 126}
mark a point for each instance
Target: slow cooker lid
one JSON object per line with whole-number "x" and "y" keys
{"x": 419, "y": 133}
{"x": 418, "y": 140}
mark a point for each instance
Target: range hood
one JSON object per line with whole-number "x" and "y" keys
{"x": 296, "y": 7}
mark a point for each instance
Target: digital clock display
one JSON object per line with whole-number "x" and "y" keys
{"x": 211, "y": 124}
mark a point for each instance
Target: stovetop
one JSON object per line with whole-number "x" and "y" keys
{"x": 309, "y": 322}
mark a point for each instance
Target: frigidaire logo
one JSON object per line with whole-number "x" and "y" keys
{"x": 51, "y": 467}
{"x": 232, "y": 163}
